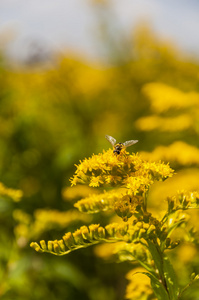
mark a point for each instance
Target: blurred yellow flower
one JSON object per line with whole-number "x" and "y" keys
{"x": 15, "y": 195}
{"x": 177, "y": 123}
{"x": 164, "y": 97}
{"x": 178, "y": 152}
{"x": 139, "y": 287}
{"x": 78, "y": 191}
{"x": 105, "y": 251}
{"x": 185, "y": 179}
{"x": 187, "y": 252}
{"x": 45, "y": 219}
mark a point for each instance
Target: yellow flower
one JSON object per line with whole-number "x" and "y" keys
{"x": 158, "y": 171}
{"x": 96, "y": 181}
{"x": 138, "y": 184}
{"x": 114, "y": 199}
{"x": 124, "y": 170}
{"x": 107, "y": 169}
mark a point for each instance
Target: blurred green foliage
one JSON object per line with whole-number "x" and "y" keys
{"x": 50, "y": 119}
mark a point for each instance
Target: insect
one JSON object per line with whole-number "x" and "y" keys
{"x": 119, "y": 146}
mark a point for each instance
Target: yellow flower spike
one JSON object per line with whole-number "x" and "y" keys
{"x": 97, "y": 202}
{"x": 125, "y": 170}
{"x": 120, "y": 200}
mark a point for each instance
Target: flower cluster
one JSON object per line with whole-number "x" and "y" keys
{"x": 94, "y": 234}
{"x": 184, "y": 200}
{"x": 129, "y": 171}
{"x": 99, "y": 202}
{"x": 143, "y": 237}
{"x": 119, "y": 200}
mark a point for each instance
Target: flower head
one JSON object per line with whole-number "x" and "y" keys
{"x": 126, "y": 171}
{"x": 130, "y": 171}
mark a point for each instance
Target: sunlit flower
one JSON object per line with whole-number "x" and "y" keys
{"x": 138, "y": 184}
{"x": 130, "y": 172}
{"x": 119, "y": 200}
{"x": 108, "y": 169}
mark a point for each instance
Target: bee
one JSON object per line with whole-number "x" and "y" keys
{"x": 119, "y": 146}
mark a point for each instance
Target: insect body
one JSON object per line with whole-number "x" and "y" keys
{"x": 119, "y": 146}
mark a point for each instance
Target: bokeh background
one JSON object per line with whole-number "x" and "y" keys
{"x": 71, "y": 72}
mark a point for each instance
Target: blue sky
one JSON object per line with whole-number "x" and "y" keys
{"x": 71, "y": 24}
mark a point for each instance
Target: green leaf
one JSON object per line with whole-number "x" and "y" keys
{"x": 165, "y": 269}
{"x": 171, "y": 278}
{"x": 157, "y": 256}
{"x": 157, "y": 287}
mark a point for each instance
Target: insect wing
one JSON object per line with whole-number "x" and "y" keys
{"x": 130, "y": 143}
{"x": 110, "y": 139}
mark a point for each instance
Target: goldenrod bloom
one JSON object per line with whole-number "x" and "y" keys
{"x": 143, "y": 238}
{"x": 130, "y": 171}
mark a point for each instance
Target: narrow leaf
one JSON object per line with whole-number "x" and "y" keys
{"x": 171, "y": 278}
{"x": 157, "y": 287}
{"x": 157, "y": 257}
